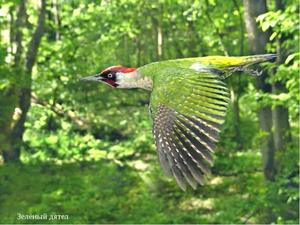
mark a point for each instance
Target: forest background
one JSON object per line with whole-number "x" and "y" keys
{"x": 85, "y": 153}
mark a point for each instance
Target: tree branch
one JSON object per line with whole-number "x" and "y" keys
{"x": 242, "y": 30}
{"x": 19, "y": 35}
{"x": 80, "y": 122}
{"x": 25, "y": 94}
{"x": 235, "y": 174}
{"x": 36, "y": 39}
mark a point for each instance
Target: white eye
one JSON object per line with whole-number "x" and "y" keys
{"x": 110, "y": 75}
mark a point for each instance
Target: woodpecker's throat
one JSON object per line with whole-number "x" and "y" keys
{"x": 134, "y": 80}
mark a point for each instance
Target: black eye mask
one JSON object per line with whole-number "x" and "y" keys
{"x": 110, "y": 75}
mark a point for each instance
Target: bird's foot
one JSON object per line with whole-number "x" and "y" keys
{"x": 245, "y": 69}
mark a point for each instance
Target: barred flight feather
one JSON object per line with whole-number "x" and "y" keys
{"x": 187, "y": 125}
{"x": 202, "y": 140}
{"x": 193, "y": 164}
{"x": 197, "y": 127}
{"x": 206, "y": 101}
{"x": 206, "y": 116}
{"x": 188, "y": 139}
{"x": 182, "y": 164}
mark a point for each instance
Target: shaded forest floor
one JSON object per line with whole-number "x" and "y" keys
{"x": 103, "y": 192}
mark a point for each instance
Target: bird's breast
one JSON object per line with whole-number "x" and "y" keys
{"x": 145, "y": 83}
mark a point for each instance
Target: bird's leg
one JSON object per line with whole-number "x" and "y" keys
{"x": 245, "y": 69}
{"x": 253, "y": 72}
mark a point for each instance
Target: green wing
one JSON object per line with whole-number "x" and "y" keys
{"x": 187, "y": 108}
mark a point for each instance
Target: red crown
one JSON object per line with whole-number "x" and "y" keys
{"x": 119, "y": 69}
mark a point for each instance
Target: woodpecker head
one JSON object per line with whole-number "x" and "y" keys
{"x": 114, "y": 76}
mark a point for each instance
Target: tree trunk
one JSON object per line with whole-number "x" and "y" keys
{"x": 281, "y": 124}
{"x": 15, "y": 134}
{"x": 235, "y": 83}
{"x": 9, "y": 97}
{"x": 159, "y": 42}
{"x": 138, "y": 52}
{"x": 20, "y": 22}
{"x": 158, "y": 38}
{"x": 216, "y": 29}
{"x": 57, "y": 20}
{"x": 257, "y": 45}
{"x": 235, "y": 95}
{"x": 126, "y": 56}
{"x": 157, "y": 30}
{"x": 193, "y": 50}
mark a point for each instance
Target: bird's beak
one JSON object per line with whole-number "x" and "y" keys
{"x": 91, "y": 78}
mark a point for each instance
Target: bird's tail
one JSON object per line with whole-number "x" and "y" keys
{"x": 230, "y": 64}
{"x": 253, "y": 59}
{"x": 248, "y": 61}
{"x": 223, "y": 62}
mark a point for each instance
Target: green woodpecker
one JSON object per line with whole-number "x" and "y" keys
{"x": 188, "y": 105}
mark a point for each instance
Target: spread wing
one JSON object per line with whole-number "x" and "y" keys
{"x": 187, "y": 108}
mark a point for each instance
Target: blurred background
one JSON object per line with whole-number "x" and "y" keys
{"x": 86, "y": 151}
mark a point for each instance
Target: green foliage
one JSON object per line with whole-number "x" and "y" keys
{"x": 88, "y": 150}
{"x": 284, "y": 24}
{"x": 102, "y": 192}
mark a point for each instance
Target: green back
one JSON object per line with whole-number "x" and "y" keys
{"x": 190, "y": 92}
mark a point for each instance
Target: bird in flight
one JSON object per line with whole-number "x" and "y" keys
{"x": 188, "y": 105}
